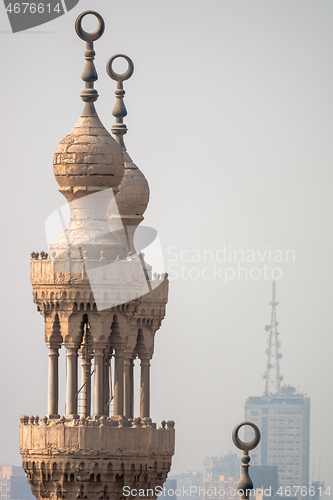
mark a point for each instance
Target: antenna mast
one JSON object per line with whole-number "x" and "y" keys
{"x": 272, "y": 376}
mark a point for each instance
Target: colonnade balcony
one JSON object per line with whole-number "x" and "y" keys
{"x": 96, "y": 365}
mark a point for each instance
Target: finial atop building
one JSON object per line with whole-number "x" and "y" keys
{"x": 245, "y": 484}
{"x": 119, "y": 111}
{"x": 89, "y": 95}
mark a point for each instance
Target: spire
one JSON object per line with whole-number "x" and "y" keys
{"x": 272, "y": 376}
{"x": 119, "y": 111}
{"x": 89, "y": 95}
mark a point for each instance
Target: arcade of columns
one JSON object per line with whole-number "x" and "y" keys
{"x": 99, "y": 300}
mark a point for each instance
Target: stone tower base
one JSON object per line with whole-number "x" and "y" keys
{"x": 95, "y": 458}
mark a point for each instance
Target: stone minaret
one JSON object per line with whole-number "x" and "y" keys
{"x": 101, "y": 304}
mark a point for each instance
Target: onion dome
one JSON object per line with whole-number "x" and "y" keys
{"x": 88, "y": 161}
{"x": 133, "y": 195}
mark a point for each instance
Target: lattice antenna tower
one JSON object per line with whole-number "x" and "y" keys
{"x": 272, "y": 376}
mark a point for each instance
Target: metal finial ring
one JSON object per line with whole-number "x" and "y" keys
{"x": 122, "y": 76}
{"x": 251, "y": 444}
{"x": 84, "y": 35}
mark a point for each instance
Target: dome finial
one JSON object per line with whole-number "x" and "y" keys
{"x": 89, "y": 95}
{"x": 119, "y": 111}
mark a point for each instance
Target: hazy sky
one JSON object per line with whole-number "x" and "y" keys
{"x": 230, "y": 118}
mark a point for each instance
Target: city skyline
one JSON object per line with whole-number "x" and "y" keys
{"x": 247, "y": 165}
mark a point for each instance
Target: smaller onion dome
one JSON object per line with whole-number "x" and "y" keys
{"x": 133, "y": 195}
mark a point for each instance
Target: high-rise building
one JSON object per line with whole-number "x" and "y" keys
{"x": 283, "y": 417}
{"x": 13, "y": 484}
{"x": 284, "y": 422}
{"x": 101, "y": 303}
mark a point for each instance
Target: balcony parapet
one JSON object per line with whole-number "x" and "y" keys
{"x": 111, "y": 282}
{"x": 136, "y": 422}
{"x": 95, "y": 437}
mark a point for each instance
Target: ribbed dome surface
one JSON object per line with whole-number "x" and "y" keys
{"x": 88, "y": 159}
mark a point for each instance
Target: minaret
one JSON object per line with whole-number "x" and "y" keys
{"x": 99, "y": 302}
{"x": 272, "y": 376}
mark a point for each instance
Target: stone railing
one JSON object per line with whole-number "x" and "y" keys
{"x": 102, "y": 437}
{"x": 136, "y": 422}
{"x": 133, "y": 271}
{"x": 111, "y": 283}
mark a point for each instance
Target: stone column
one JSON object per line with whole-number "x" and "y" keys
{"x": 106, "y": 384}
{"x": 118, "y": 408}
{"x": 145, "y": 388}
{"x": 132, "y": 386}
{"x": 86, "y": 386}
{"x": 53, "y": 385}
{"x": 128, "y": 386}
{"x": 98, "y": 386}
{"x": 71, "y": 382}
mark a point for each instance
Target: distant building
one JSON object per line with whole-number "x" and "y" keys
{"x": 284, "y": 422}
{"x": 220, "y": 477}
{"x": 317, "y": 490}
{"x": 189, "y": 485}
{"x": 283, "y": 417}
{"x": 14, "y": 484}
{"x": 224, "y": 488}
{"x": 227, "y": 465}
{"x": 264, "y": 477}
{"x": 169, "y": 489}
